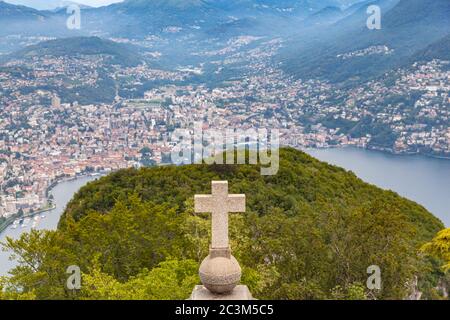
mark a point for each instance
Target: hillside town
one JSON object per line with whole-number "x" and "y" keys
{"x": 47, "y": 136}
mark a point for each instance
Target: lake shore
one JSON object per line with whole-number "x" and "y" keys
{"x": 420, "y": 178}
{"x": 63, "y": 192}
{"x": 383, "y": 150}
{"x": 49, "y": 206}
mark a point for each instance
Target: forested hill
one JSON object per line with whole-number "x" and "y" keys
{"x": 310, "y": 232}
{"x": 76, "y": 46}
{"x": 303, "y": 185}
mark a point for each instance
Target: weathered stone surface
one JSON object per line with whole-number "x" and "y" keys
{"x": 220, "y": 203}
{"x": 239, "y": 293}
{"x": 225, "y": 253}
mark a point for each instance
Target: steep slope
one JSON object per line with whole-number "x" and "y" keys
{"x": 13, "y": 18}
{"x": 437, "y": 50}
{"x": 138, "y": 18}
{"x": 326, "y": 15}
{"x": 24, "y": 21}
{"x": 43, "y": 4}
{"x": 408, "y": 27}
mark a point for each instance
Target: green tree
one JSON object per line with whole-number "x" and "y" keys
{"x": 439, "y": 248}
{"x": 170, "y": 280}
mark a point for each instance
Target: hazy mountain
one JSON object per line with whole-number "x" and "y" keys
{"x": 21, "y": 20}
{"x": 19, "y": 12}
{"x": 316, "y": 32}
{"x": 72, "y": 47}
{"x": 43, "y": 4}
{"x": 437, "y": 50}
{"x": 407, "y": 27}
{"x": 137, "y": 18}
{"x": 326, "y": 15}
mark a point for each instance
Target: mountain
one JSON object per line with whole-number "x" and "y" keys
{"x": 9, "y": 12}
{"x": 24, "y": 21}
{"x": 407, "y": 27}
{"x": 316, "y": 33}
{"x": 75, "y": 46}
{"x": 326, "y": 15}
{"x": 15, "y": 20}
{"x": 309, "y": 232}
{"x": 201, "y": 18}
{"x": 138, "y": 18}
{"x": 437, "y": 50}
{"x": 44, "y": 4}
{"x": 356, "y": 15}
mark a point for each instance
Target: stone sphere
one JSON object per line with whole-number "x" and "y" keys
{"x": 219, "y": 274}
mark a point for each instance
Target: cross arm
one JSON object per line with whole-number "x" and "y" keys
{"x": 203, "y": 203}
{"x": 236, "y": 203}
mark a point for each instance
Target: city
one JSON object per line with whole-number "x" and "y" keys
{"x": 46, "y": 140}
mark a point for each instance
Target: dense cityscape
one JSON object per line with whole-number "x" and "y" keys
{"x": 46, "y": 138}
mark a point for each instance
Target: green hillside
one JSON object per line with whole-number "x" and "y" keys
{"x": 309, "y": 232}
{"x": 438, "y": 50}
{"x": 409, "y": 28}
{"x": 76, "y": 46}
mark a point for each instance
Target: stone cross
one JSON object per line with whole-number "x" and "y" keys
{"x": 220, "y": 203}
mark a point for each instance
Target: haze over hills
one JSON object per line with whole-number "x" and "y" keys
{"x": 316, "y": 34}
{"x": 10, "y": 12}
{"x": 437, "y": 50}
{"x": 137, "y": 18}
{"x": 15, "y": 20}
{"x": 76, "y": 46}
{"x": 44, "y": 4}
{"x": 407, "y": 28}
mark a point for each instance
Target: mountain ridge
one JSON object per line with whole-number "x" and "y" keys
{"x": 74, "y": 46}
{"x": 407, "y": 27}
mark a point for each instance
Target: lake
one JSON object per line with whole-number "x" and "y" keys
{"x": 422, "y": 179}
{"x": 62, "y": 194}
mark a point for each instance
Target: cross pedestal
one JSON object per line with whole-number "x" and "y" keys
{"x": 220, "y": 272}
{"x": 240, "y": 292}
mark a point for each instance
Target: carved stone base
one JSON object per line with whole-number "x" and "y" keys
{"x": 240, "y": 292}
